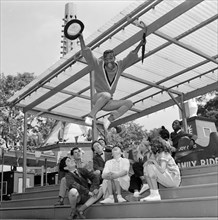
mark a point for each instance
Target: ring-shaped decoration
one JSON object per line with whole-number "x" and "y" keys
{"x": 73, "y": 29}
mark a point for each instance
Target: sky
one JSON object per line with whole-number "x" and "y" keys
{"x": 30, "y": 38}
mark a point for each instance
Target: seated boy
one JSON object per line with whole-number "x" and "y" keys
{"x": 80, "y": 189}
{"x": 115, "y": 176}
{"x": 76, "y": 154}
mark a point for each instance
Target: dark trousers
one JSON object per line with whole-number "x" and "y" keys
{"x": 135, "y": 180}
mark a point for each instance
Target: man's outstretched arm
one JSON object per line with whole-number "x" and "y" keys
{"x": 87, "y": 53}
{"x": 82, "y": 42}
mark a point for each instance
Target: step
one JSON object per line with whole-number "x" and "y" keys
{"x": 36, "y": 198}
{"x": 204, "y": 218}
{"x": 197, "y": 207}
{"x": 197, "y": 179}
{"x": 174, "y": 208}
{"x": 43, "y": 188}
{"x": 184, "y": 172}
{"x": 52, "y": 190}
{"x": 199, "y": 169}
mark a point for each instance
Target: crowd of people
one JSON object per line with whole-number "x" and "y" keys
{"x": 148, "y": 164}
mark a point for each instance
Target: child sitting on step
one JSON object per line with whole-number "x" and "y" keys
{"x": 115, "y": 176}
{"x": 83, "y": 188}
{"x": 162, "y": 169}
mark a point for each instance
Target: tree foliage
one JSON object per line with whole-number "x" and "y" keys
{"x": 210, "y": 108}
{"x": 11, "y": 118}
{"x": 132, "y": 133}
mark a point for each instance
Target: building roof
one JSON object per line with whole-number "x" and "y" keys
{"x": 181, "y": 58}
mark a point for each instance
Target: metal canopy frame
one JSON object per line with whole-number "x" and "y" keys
{"x": 50, "y": 97}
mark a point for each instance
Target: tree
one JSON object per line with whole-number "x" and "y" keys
{"x": 209, "y": 108}
{"x": 11, "y": 119}
{"x": 133, "y": 133}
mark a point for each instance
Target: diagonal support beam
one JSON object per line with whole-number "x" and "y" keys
{"x": 163, "y": 88}
{"x": 185, "y": 46}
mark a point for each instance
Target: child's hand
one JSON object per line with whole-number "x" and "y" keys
{"x": 114, "y": 176}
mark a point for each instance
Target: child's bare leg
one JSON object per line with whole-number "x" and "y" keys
{"x": 150, "y": 171}
{"x": 118, "y": 190}
{"x": 73, "y": 197}
{"x": 91, "y": 201}
{"x": 110, "y": 198}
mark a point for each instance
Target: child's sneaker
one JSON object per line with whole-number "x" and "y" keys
{"x": 151, "y": 198}
{"x": 107, "y": 200}
{"x": 120, "y": 199}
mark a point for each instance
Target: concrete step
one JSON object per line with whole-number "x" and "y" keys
{"x": 205, "y": 190}
{"x": 204, "y": 218}
{"x": 184, "y": 172}
{"x": 175, "y": 208}
{"x": 198, "y": 179}
{"x": 50, "y": 197}
{"x": 52, "y": 190}
{"x": 43, "y": 188}
{"x": 199, "y": 169}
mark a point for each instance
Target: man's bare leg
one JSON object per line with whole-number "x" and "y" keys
{"x": 99, "y": 100}
{"x": 118, "y": 108}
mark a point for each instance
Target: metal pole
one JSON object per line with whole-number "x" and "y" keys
{"x": 42, "y": 175}
{"x": 24, "y": 152}
{"x": 92, "y": 91}
{"x": 184, "y": 119}
{"x": 2, "y": 176}
{"x": 46, "y": 178}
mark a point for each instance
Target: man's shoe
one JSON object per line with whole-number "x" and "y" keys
{"x": 151, "y": 198}
{"x": 88, "y": 120}
{"x": 144, "y": 188}
{"x": 107, "y": 200}
{"x": 59, "y": 202}
{"x": 106, "y": 123}
{"x": 120, "y": 199}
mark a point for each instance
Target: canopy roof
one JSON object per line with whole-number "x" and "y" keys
{"x": 181, "y": 58}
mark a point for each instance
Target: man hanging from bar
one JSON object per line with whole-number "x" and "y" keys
{"x": 107, "y": 72}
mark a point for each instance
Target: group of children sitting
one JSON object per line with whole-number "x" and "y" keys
{"x": 151, "y": 163}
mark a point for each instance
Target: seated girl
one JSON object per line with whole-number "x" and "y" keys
{"x": 162, "y": 169}
{"x": 138, "y": 184}
{"x": 115, "y": 176}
